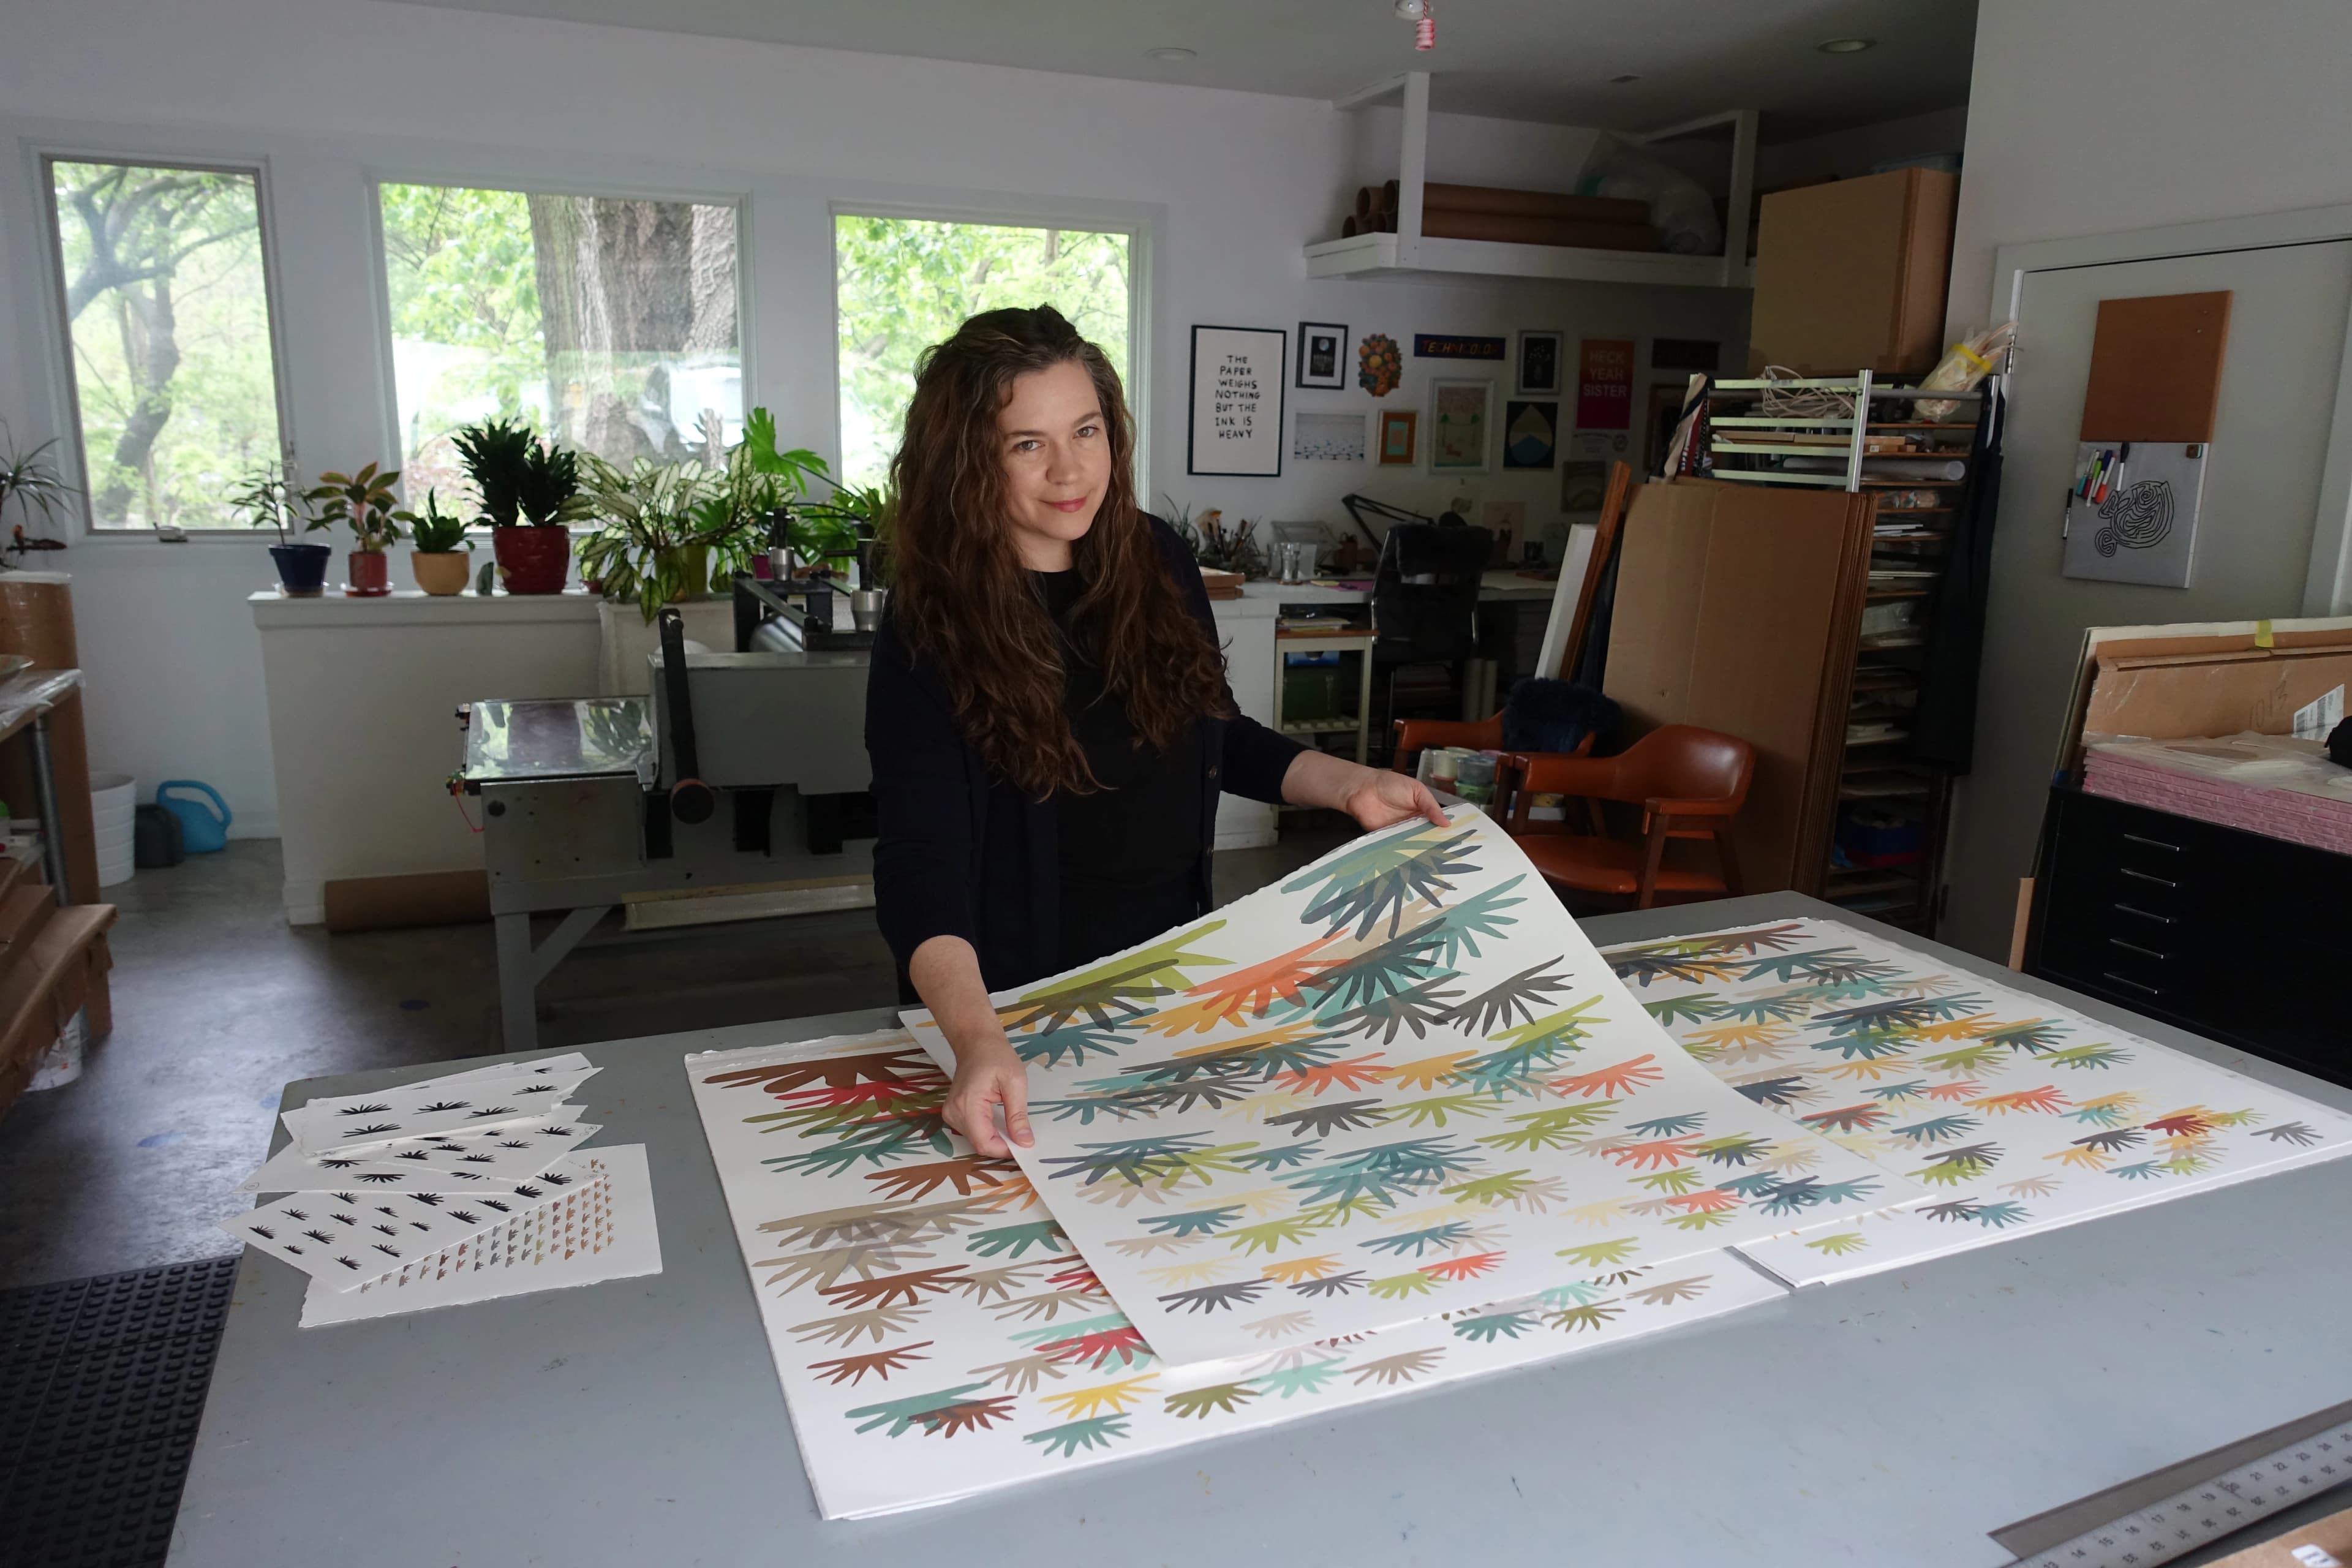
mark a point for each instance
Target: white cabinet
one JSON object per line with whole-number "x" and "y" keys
{"x": 1246, "y": 628}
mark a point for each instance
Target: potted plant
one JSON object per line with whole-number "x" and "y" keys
{"x": 30, "y": 482}
{"x": 272, "y": 498}
{"x": 441, "y": 545}
{"x": 658, "y": 522}
{"x": 529, "y": 491}
{"x": 364, "y": 501}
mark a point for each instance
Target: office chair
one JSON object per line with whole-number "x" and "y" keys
{"x": 1426, "y": 598}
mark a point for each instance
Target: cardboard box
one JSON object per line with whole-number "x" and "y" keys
{"x": 1729, "y": 598}
{"x": 2200, "y": 679}
{"x": 1851, "y": 276}
{"x": 2322, "y": 1543}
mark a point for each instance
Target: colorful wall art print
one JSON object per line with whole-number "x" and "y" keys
{"x": 2018, "y": 1115}
{"x": 1459, "y": 414}
{"x": 936, "y": 1335}
{"x": 1396, "y": 1083}
{"x": 1530, "y": 434}
{"x": 1380, "y": 365}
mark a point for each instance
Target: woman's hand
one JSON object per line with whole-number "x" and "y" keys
{"x": 946, "y": 972}
{"x": 988, "y": 1075}
{"x": 1375, "y": 797}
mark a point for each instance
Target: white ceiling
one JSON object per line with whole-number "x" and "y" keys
{"x": 1517, "y": 60}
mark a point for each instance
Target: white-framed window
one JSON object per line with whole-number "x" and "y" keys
{"x": 171, "y": 338}
{"x": 611, "y": 323}
{"x": 903, "y": 282}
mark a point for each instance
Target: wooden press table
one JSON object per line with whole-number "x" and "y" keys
{"x": 1890, "y": 1420}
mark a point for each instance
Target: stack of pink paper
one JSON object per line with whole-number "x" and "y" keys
{"x": 2271, "y": 784}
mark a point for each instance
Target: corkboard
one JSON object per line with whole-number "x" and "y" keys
{"x": 2156, "y": 368}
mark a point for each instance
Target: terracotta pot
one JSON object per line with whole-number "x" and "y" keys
{"x": 370, "y": 575}
{"x": 441, "y": 573}
{"x": 532, "y": 560}
{"x": 302, "y": 568}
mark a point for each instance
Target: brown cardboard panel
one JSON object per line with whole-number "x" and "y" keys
{"x": 2208, "y": 696}
{"x": 423, "y": 899}
{"x": 1727, "y": 598}
{"x": 2103, "y": 644}
{"x": 2332, "y": 1535}
{"x": 2156, "y": 368}
{"x": 1851, "y": 275}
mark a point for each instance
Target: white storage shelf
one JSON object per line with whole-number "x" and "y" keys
{"x": 1410, "y": 253}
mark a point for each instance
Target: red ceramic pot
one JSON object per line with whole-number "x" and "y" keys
{"x": 532, "y": 560}
{"x": 370, "y": 575}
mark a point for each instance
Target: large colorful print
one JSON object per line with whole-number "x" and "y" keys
{"x": 1398, "y": 1083}
{"x": 2018, "y": 1115}
{"x": 936, "y": 1334}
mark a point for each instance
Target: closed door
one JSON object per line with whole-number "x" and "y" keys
{"x": 2253, "y": 539}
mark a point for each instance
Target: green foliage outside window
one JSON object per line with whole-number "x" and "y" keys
{"x": 903, "y": 284}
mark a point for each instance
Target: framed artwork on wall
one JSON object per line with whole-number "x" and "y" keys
{"x": 1237, "y": 392}
{"x": 1398, "y": 429}
{"x": 1459, "y": 411}
{"x": 1322, "y": 354}
{"x": 1530, "y": 434}
{"x": 1539, "y": 356}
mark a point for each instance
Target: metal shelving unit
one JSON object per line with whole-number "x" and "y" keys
{"x": 1749, "y": 444}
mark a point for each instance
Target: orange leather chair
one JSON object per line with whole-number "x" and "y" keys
{"x": 1415, "y": 736}
{"x": 1689, "y": 783}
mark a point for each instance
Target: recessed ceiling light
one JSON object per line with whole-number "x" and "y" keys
{"x": 1624, "y": 81}
{"x": 1844, "y": 46}
{"x": 1169, "y": 52}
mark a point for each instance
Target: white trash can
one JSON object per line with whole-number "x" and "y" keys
{"x": 113, "y": 810}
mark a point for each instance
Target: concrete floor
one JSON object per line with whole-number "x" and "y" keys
{"x": 218, "y": 1004}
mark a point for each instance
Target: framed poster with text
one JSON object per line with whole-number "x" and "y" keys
{"x": 1605, "y": 384}
{"x": 1237, "y": 388}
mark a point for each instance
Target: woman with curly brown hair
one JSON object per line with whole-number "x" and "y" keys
{"x": 1047, "y": 712}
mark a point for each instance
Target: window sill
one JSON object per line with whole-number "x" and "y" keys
{"x": 275, "y": 611}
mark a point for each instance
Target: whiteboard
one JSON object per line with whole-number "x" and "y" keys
{"x": 1237, "y": 383}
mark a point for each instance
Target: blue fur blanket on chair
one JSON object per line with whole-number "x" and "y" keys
{"x": 1555, "y": 716}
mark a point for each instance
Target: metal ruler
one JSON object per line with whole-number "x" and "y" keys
{"x": 2242, "y": 1491}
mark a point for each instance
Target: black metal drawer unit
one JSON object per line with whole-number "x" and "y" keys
{"x": 2240, "y": 937}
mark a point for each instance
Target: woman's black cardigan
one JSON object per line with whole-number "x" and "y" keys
{"x": 962, "y": 853}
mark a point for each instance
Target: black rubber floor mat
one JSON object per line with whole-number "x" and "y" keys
{"x": 101, "y": 1385}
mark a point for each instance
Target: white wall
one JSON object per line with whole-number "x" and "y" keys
{"x": 2089, "y": 118}
{"x": 1229, "y": 186}
{"x": 2098, "y": 115}
{"x": 1846, "y": 155}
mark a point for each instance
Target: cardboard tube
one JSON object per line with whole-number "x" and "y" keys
{"x": 1497, "y": 203}
{"x": 1364, "y": 201}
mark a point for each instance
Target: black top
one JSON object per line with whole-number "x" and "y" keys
{"x": 962, "y": 853}
{"x": 1130, "y": 850}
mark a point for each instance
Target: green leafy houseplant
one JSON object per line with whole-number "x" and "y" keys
{"x": 433, "y": 531}
{"x": 274, "y": 497}
{"x": 548, "y": 486}
{"x": 363, "y": 501}
{"x": 497, "y": 454}
{"x": 32, "y": 484}
{"x": 668, "y": 529}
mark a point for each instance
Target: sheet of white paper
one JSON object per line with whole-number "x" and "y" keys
{"x": 602, "y": 1229}
{"x": 936, "y": 1336}
{"x": 2018, "y": 1115}
{"x": 342, "y": 1122}
{"x": 457, "y": 1161}
{"x": 1396, "y": 1083}
{"x": 537, "y": 1066}
{"x": 350, "y": 1235}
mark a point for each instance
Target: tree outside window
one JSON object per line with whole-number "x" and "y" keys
{"x": 167, "y": 321}
{"x": 609, "y": 323}
{"x": 903, "y": 284}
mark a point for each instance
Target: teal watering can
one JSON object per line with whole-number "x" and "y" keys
{"x": 202, "y": 828}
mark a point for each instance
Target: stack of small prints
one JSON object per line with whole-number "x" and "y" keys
{"x": 454, "y": 1189}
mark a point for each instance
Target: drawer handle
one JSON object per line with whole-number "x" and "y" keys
{"x": 2153, "y": 843}
{"x": 2134, "y": 985}
{"x": 2135, "y": 947}
{"x": 2146, "y": 878}
{"x": 2144, "y": 914}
